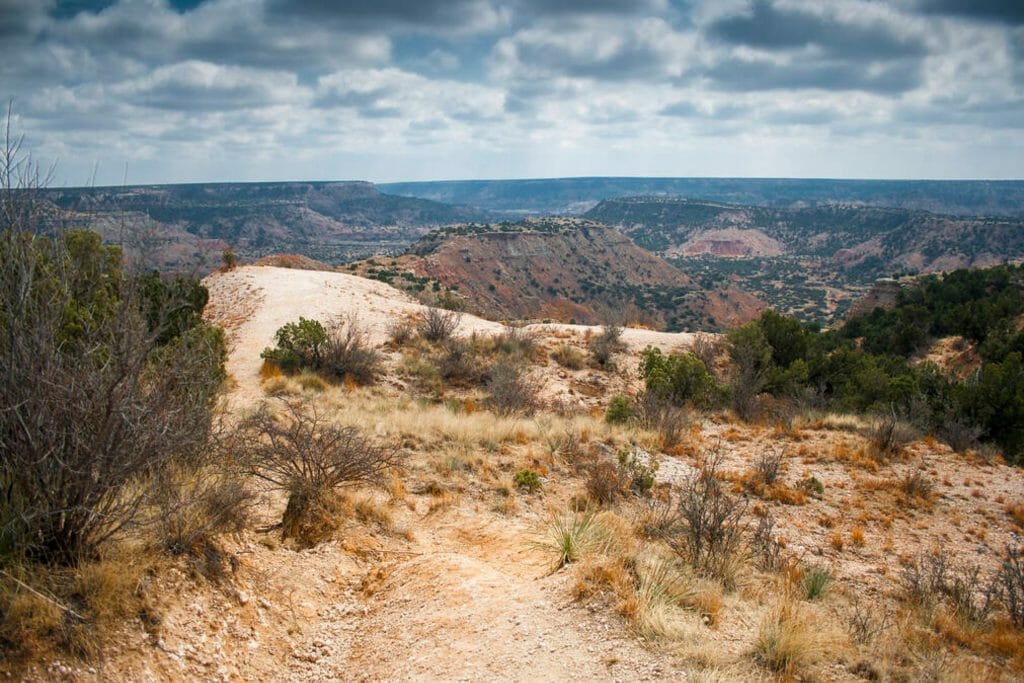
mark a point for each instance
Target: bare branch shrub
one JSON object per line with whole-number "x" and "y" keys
{"x": 889, "y": 435}
{"x": 661, "y": 415}
{"x": 932, "y": 579}
{"x": 709, "y": 535}
{"x": 605, "y": 345}
{"x": 347, "y": 353}
{"x": 768, "y": 467}
{"x": 460, "y": 365}
{"x": 438, "y": 325}
{"x": 606, "y": 482}
{"x": 766, "y": 547}
{"x": 517, "y": 342}
{"x": 708, "y": 348}
{"x": 512, "y": 390}
{"x": 298, "y": 451}
{"x": 1011, "y": 584}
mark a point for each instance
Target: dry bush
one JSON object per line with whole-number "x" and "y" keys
{"x": 299, "y": 452}
{"x": 916, "y": 485}
{"x": 660, "y": 415}
{"x": 1010, "y": 581}
{"x": 604, "y": 346}
{"x": 460, "y": 365}
{"x": 710, "y": 524}
{"x": 569, "y": 357}
{"x": 708, "y": 348}
{"x": 193, "y": 507}
{"x": 401, "y": 331}
{"x": 346, "y": 354}
{"x": 888, "y": 436}
{"x": 606, "y": 482}
{"x": 766, "y": 548}
{"x": 517, "y": 342}
{"x": 511, "y": 390}
{"x": 931, "y": 579}
{"x": 768, "y": 467}
{"x": 786, "y": 640}
{"x": 438, "y": 325}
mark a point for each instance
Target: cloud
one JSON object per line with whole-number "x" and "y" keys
{"x": 318, "y": 88}
{"x": 196, "y": 85}
{"x": 762, "y": 74}
{"x": 772, "y": 28}
{"x": 1000, "y": 11}
{"x": 594, "y": 48}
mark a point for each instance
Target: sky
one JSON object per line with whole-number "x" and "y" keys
{"x": 161, "y": 91}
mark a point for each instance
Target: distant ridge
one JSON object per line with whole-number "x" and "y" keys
{"x": 571, "y": 196}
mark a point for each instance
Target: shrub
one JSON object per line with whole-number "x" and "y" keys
{"x": 101, "y": 388}
{"x": 1010, "y": 581}
{"x": 570, "y": 537}
{"x": 401, "y": 332}
{"x": 300, "y": 453}
{"x": 527, "y": 479}
{"x": 931, "y": 579}
{"x": 511, "y": 390}
{"x": 708, "y": 533}
{"x": 517, "y": 342}
{"x": 815, "y": 581}
{"x": 640, "y": 476}
{"x": 662, "y": 416}
{"x": 678, "y": 378}
{"x": 605, "y": 482}
{"x": 917, "y": 485}
{"x": 299, "y": 344}
{"x": 569, "y": 357}
{"x": 339, "y": 351}
{"x": 438, "y": 325}
{"x": 347, "y": 354}
{"x": 768, "y": 467}
{"x": 888, "y": 436}
{"x": 812, "y": 486}
{"x": 229, "y": 259}
{"x": 751, "y": 355}
{"x": 604, "y": 346}
{"x": 620, "y": 409}
{"x": 766, "y": 548}
{"x": 460, "y": 365}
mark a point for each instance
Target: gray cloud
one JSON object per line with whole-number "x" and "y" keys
{"x": 306, "y": 86}
{"x": 883, "y": 78}
{"x": 1003, "y": 11}
{"x": 772, "y": 28}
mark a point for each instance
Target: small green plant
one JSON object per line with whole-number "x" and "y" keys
{"x": 527, "y": 479}
{"x": 812, "y": 486}
{"x": 620, "y": 409}
{"x": 640, "y": 475}
{"x": 815, "y": 581}
{"x": 570, "y": 537}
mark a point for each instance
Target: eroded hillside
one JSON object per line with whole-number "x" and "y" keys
{"x": 571, "y": 271}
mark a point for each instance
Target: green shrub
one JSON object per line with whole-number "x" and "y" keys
{"x": 527, "y": 479}
{"x": 678, "y": 378}
{"x": 815, "y": 581}
{"x": 299, "y": 344}
{"x": 620, "y": 409}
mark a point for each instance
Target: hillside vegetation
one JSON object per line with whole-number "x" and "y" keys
{"x": 567, "y": 270}
{"x": 808, "y": 261}
{"x": 184, "y": 227}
